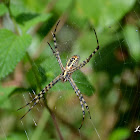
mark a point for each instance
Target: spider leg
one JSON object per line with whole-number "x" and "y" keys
{"x": 28, "y": 111}
{"x": 51, "y": 48}
{"x": 83, "y": 100}
{"x": 88, "y": 59}
{"x": 29, "y": 102}
{"x": 80, "y": 96}
{"x": 56, "y": 52}
{"x": 83, "y": 110}
{"x": 40, "y": 95}
{"x": 57, "y": 57}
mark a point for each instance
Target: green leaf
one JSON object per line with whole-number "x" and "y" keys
{"x": 18, "y": 8}
{"x": 132, "y": 38}
{"x": 4, "y": 93}
{"x": 83, "y": 83}
{"x": 63, "y": 5}
{"x": 12, "y": 50}
{"x": 16, "y": 136}
{"x": 104, "y": 13}
{"x": 30, "y": 23}
{"x": 3, "y": 9}
{"x": 120, "y": 134}
{"x": 37, "y": 5}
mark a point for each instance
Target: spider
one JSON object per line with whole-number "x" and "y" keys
{"x": 71, "y": 66}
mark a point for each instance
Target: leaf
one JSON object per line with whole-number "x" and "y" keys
{"x": 63, "y": 5}
{"x": 3, "y": 9}
{"x": 83, "y": 83}
{"x": 4, "y": 93}
{"x": 18, "y": 8}
{"x": 15, "y": 136}
{"x": 30, "y": 23}
{"x": 104, "y": 13}
{"x": 132, "y": 38}
{"x": 120, "y": 134}
{"x": 12, "y": 50}
{"x": 25, "y": 17}
{"x": 36, "y": 5}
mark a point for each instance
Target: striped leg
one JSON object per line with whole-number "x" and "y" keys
{"x": 40, "y": 95}
{"x": 56, "y": 52}
{"x": 57, "y": 57}
{"x": 88, "y": 59}
{"x": 82, "y": 101}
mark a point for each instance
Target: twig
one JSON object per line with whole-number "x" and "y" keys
{"x": 54, "y": 121}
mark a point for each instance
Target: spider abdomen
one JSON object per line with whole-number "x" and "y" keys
{"x": 72, "y": 62}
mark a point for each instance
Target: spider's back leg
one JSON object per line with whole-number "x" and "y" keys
{"x": 36, "y": 98}
{"x": 29, "y": 110}
{"x": 40, "y": 95}
{"x": 82, "y": 101}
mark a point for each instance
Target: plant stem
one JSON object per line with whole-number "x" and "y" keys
{"x": 54, "y": 121}
{"x": 12, "y": 18}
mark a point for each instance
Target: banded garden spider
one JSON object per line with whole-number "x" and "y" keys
{"x": 66, "y": 75}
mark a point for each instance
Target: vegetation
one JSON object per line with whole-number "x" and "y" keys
{"x": 110, "y": 82}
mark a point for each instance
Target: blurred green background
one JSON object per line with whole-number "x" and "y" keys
{"x": 110, "y": 82}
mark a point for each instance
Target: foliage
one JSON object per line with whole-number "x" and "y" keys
{"x": 11, "y": 44}
{"x": 3, "y": 9}
{"x": 132, "y": 39}
{"x": 108, "y": 11}
{"x": 5, "y": 93}
{"x": 119, "y": 134}
{"x": 109, "y": 82}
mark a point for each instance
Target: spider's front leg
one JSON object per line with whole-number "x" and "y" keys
{"x": 40, "y": 95}
{"x": 82, "y": 101}
{"x": 88, "y": 59}
{"x": 56, "y": 52}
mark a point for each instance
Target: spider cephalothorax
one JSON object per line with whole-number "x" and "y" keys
{"x": 66, "y": 75}
{"x": 72, "y": 62}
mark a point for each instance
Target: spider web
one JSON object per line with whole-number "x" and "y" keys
{"x": 122, "y": 90}
{"x": 114, "y": 106}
